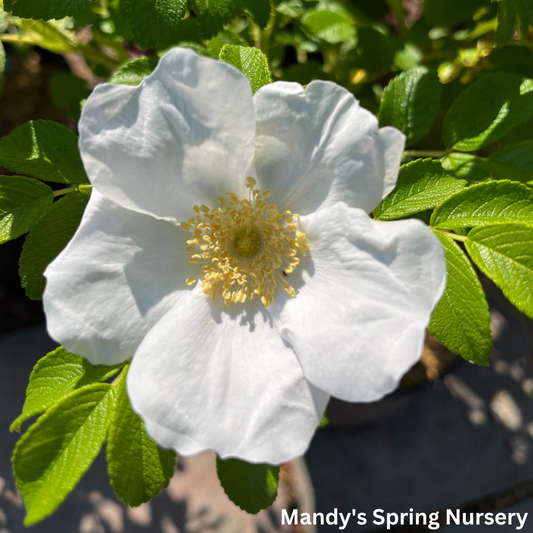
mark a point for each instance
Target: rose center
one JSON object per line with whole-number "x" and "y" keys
{"x": 246, "y": 247}
{"x": 247, "y": 242}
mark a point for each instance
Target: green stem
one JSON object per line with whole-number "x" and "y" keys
{"x": 454, "y": 236}
{"x": 91, "y": 53}
{"x": 396, "y": 6}
{"x": 262, "y": 37}
{"x": 427, "y": 153}
{"x": 68, "y": 42}
{"x": 61, "y": 192}
{"x": 331, "y": 59}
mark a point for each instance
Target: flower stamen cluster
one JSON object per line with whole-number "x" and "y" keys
{"x": 247, "y": 247}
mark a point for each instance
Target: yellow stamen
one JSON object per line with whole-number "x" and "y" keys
{"x": 246, "y": 247}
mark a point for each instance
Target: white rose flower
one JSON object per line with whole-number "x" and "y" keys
{"x": 227, "y": 249}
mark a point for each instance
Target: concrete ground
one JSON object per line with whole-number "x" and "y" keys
{"x": 440, "y": 446}
{"x": 436, "y": 446}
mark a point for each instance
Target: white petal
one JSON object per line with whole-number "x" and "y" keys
{"x": 358, "y": 320}
{"x": 118, "y": 276}
{"x": 394, "y": 142}
{"x": 317, "y": 146}
{"x": 215, "y": 377}
{"x": 183, "y": 137}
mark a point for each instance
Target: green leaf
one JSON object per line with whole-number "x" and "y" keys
{"x": 304, "y": 73}
{"x": 134, "y": 71}
{"x": 291, "y": 8}
{"x": 47, "y": 239}
{"x": 155, "y": 24}
{"x": 487, "y": 110}
{"x": 52, "y": 36}
{"x": 54, "y": 377}
{"x": 375, "y": 50}
{"x": 330, "y": 25}
{"x": 441, "y": 13}
{"x": 250, "y": 61}
{"x": 45, "y": 150}
{"x": 2, "y": 66}
{"x": 410, "y": 56}
{"x": 514, "y": 162}
{"x": 411, "y": 102}
{"x": 49, "y": 9}
{"x": 504, "y": 253}
{"x": 513, "y": 58}
{"x": 468, "y": 167}
{"x": 513, "y": 14}
{"x": 138, "y": 467}
{"x": 486, "y": 203}
{"x": 68, "y": 91}
{"x": 461, "y": 320}
{"x": 213, "y": 15}
{"x": 52, "y": 456}
{"x": 117, "y": 14}
{"x": 23, "y": 202}
{"x": 259, "y": 10}
{"x": 251, "y": 487}
{"x": 523, "y": 132}
{"x": 421, "y": 185}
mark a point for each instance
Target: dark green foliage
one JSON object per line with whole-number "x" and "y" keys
{"x": 513, "y": 15}
{"x": 410, "y": 103}
{"x": 155, "y": 24}
{"x": 134, "y": 71}
{"x": 23, "y": 201}
{"x": 258, "y": 9}
{"x": 47, "y": 239}
{"x": 487, "y": 110}
{"x": 449, "y": 12}
{"x": 2, "y": 66}
{"x": 69, "y": 92}
{"x": 461, "y": 320}
{"x": 37, "y": 9}
{"x": 45, "y": 150}
{"x": 138, "y": 467}
{"x": 213, "y": 14}
{"x": 251, "y": 487}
